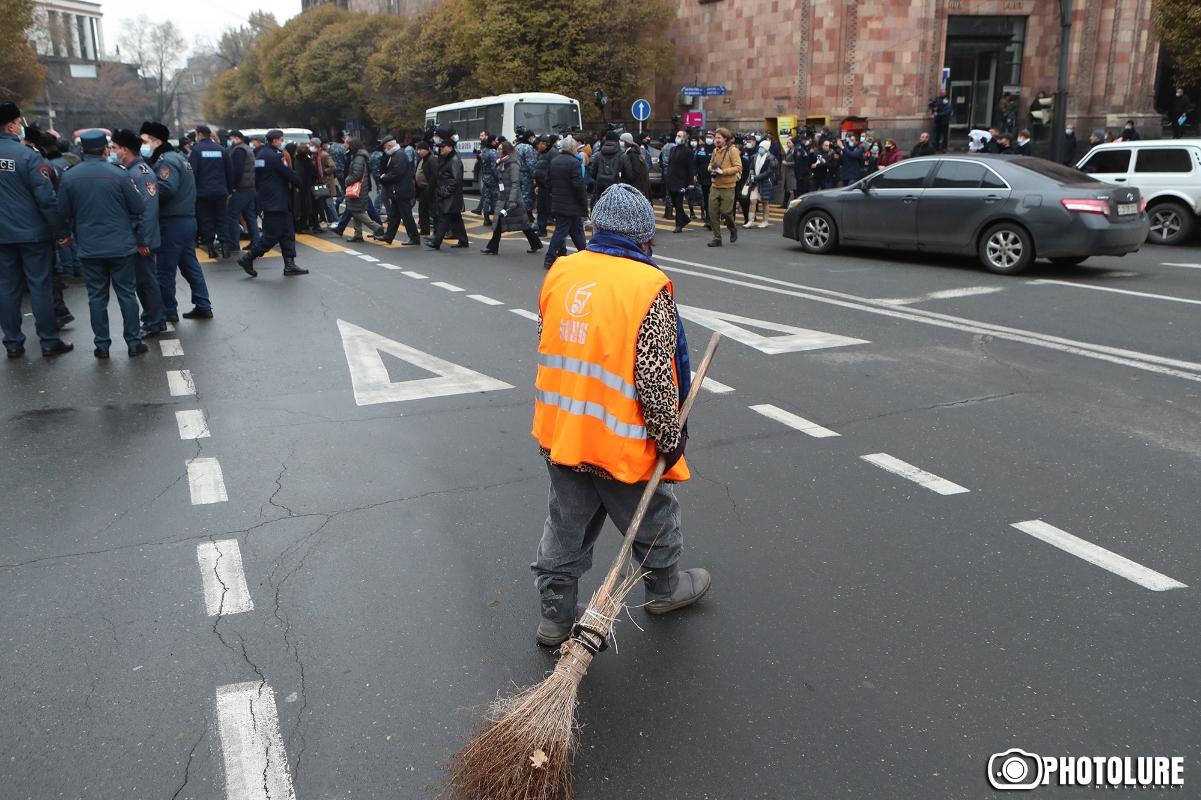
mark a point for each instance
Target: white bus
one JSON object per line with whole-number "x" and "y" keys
{"x": 502, "y": 115}
{"x": 297, "y": 135}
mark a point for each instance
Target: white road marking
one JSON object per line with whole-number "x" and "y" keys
{"x": 488, "y": 301}
{"x": 180, "y": 383}
{"x": 793, "y": 421}
{"x": 794, "y": 339}
{"x": 450, "y": 287}
{"x": 372, "y": 384}
{"x": 206, "y": 482}
{"x": 192, "y": 424}
{"x": 715, "y": 386}
{"x": 1095, "y": 554}
{"x": 170, "y": 347}
{"x": 388, "y": 266}
{"x": 170, "y": 327}
{"x": 1186, "y": 370}
{"x": 1168, "y": 297}
{"x": 256, "y": 764}
{"x": 371, "y": 259}
{"x": 224, "y": 581}
{"x": 351, "y": 252}
{"x": 919, "y": 476}
{"x": 945, "y": 294}
{"x": 1182, "y": 266}
{"x": 521, "y": 312}
{"x": 415, "y": 275}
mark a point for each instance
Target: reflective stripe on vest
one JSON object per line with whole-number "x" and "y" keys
{"x": 585, "y": 408}
{"x": 590, "y": 370}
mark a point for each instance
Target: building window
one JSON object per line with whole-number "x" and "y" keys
{"x": 984, "y": 54}
{"x": 83, "y": 70}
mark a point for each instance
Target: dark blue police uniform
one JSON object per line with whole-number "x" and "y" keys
{"x": 149, "y": 294}
{"x": 242, "y": 205}
{"x": 177, "y": 224}
{"x": 211, "y": 167}
{"x": 102, "y": 208}
{"x": 28, "y": 225}
{"x": 272, "y": 180}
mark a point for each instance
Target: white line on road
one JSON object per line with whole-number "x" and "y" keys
{"x": 1095, "y": 554}
{"x": 180, "y": 383}
{"x": 388, "y": 266}
{"x": 351, "y": 252}
{"x": 715, "y": 386}
{"x": 1167, "y": 297}
{"x": 1182, "y": 266}
{"x": 205, "y": 481}
{"x": 170, "y": 347}
{"x": 371, "y": 259}
{"x": 521, "y": 312}
{"x": 224, "y": 580}
{"x": 450, "y": 287}
{"x": 945, "y": 294}
{"x": 192, "y": 424}
{"x": 488, "y": 301}
{"x": 256, "y": 764}
{"x": 793, "y": 421}
{"x": 170, "y": 327}
{"x": 919, "y": 476}
{"x": 414, "y": 275}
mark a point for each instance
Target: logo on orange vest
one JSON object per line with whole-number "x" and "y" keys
{"x": 577, "y": 299}
{"x": 573, "y": 332}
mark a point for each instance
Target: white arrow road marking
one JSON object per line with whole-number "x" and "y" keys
{"x": 794, "y": 339}
{"x": 793, "y": 421}
{"x": 371, "y": 381}
{"x": 1095, "y": 554}
{"x": 192, "y": 424}
{"x": 919, "y": 476}
{"x": 256, "y": 764}
{"x": 223, "y": 579}
{"x": 205, "y": 481}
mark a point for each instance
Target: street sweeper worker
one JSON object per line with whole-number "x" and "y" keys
{"x": 612, "y": 372}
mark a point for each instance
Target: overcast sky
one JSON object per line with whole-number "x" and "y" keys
{"x": 201, "y": 21}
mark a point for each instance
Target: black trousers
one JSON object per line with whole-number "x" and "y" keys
{"x": 277, "y": 229}
{"x": 677, "y": 202}
{"x": 401, "y": 211}
{"x": 531, "y": 236}
{"x": 450, "y": 223}
{"x": 424, "y": 212}
{"x": 211, "y": 221}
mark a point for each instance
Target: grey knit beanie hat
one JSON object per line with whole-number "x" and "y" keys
{"x": 623, "y": 209}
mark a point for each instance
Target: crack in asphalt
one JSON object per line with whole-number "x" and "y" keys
{"x": 981, "y": 341}
{"x": 970, "y": 401}
{"x": 187, "y": 767}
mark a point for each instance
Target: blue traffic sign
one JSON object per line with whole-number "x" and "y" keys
{"x": 693, "y": 91}
{"x": 641, "y": 110}
{"x": 714, "y": 91}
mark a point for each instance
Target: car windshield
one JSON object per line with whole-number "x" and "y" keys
{"x": 1056, "y": 172}
{"x": 545, "y": 117}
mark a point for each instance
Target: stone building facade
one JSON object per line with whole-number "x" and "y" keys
{"x": 885, "y": 60}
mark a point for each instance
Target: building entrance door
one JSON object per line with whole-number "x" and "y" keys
{"x": 984, "y": 54}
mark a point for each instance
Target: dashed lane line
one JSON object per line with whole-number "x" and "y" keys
{"x": 193, "y": 424}
{"x": 450, "y": 287}
{"x": 927, "y": 480}
{"x": 170, "y": 347}
{"x": 170, "y": 327}
{"x": 1131, "y": 292}
{"x": 388, "y": 266}
{"x": 945, "y": 294}
{"x": 521, "y": 312}
{"x": 488, "y": 301}
{"x": 715, "y": 386}
{"x": 223, "y": 578}
{"x": 408, "y": 273}
{"x": 252, "y": 749}
{"x": 1181, "y": 266}
{"x": 1095, "y": 554}
{"x": 180, "y": 383}
{"x": 369, "y": 259}
{"x": 205, "y": 481}
{"x": 793, "y": 421}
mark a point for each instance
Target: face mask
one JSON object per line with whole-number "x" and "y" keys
{"x": 455, "y": 138}
{"x": 21, "y": 135}
{"x": 694, "y": 142}
{"x": 112, "y": 158}
{"x": 679, "y": 140}
{"x": 1068, "y": 131}
{"x": 762, "y": 148}
{"x": 709, "y": 142}
{"x": 146, "y": 150}
{"x": 437, "y": 141}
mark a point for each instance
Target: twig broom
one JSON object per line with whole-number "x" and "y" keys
{"x": 524, "y": 747}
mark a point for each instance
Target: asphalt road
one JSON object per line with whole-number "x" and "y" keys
{"x": 260, "y": 583}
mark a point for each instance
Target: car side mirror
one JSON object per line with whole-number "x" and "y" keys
{"x": 865, "y": 186}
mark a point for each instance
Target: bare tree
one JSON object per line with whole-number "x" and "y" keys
{"x": 235, "y": 43}
{"x": 158, "y": 49}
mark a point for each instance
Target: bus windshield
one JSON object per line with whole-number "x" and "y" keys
{"x": 546, "y": 117}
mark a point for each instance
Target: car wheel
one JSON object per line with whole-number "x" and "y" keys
{"x": 1068, "y": 261}
{"x": 1171, "y": 223}
{"x": 1006, "y": 249}
{"x": 817, "y": 232}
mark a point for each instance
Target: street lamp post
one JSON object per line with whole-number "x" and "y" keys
{"x": 1060, "y": 115}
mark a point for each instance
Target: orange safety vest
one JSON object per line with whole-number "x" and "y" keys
{"x": 586, "y": 408}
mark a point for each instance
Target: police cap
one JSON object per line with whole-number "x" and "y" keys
{"x": 93, "y": 141}
{"x": 274, "y": 133}
{"x": 127, "y": 139}
{"x": 204, "y": 130}
{"x": 156, "y": 129}
{"x": 9, "y": 112}
{"x": 258, "y": 137}
{"x": 236, "y": 133}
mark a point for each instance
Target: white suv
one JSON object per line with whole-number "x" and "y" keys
{"x": 1168, "y": 174}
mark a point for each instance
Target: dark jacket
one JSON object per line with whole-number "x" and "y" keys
{"x": 852, "y": 164}
{"x": 509, "y": 200}
{"x": 567, "y": 193}
{"x": 102, "y": 208}
{"x": 681, "y": 169}
{"x": 922, "y": 149}
{"x": 605, "y": 168}
{"x": 428, "y": 167}
{"x": 398, "y": 176}
{"x": 26, "y": 195}
{"x": 634, "y": 170}
{"x": 241, "y": 162}
{"x": 449, "y": 184}
{"x": 212, "y": 168}
{"x": 143, "y": 176}
{"x": 358, "y": 168}
{"x": 176, "y": 183}
{"x": 273, "y": 179}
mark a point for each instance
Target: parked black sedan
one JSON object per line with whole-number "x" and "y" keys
{"x": 1007, "y": 210}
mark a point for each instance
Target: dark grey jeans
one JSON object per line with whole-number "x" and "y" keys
{"x": 579, "y": 504}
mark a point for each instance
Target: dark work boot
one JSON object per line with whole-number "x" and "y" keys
{"x": 558, "y": 612}
{"x": 246, "y": 262}
{"x": 290, "y": 268}
{"x": 669, "y": 589}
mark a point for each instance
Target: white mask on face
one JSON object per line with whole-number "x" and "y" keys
{"x": 709, "y": 141}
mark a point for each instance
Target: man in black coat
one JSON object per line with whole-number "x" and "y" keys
{"x": 425, "y": 177}
{"x": 273, "y": 181}
{"x": 568, "y": 201}
{"x": 680, "y": 177}
{"x": 399, "y": 188}
{"x": 448, "y": 193}
{"x": 547, "y": 149}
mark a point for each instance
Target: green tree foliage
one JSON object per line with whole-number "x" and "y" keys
{"x": 330, "y": 71}
{"x": 21, "y": 75}
{"x": 1178, "y": 24}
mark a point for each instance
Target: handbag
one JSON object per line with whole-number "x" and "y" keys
{"x": 746, "y": 190}
{"x": 320, "y": 192}
{"x": 354, "y": 191}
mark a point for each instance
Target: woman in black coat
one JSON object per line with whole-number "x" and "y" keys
{"x": 306, "y": 209}
{"x": 511, "y": 214}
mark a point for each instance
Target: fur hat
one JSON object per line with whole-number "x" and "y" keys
{"x": 156, "y": 129}
{"x": 127, "y": 139}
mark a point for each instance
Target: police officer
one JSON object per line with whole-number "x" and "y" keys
{"x": 211, "y": 166}
{"x": 273, "y": 178}
{"x": 28, "y": 226}
{"x": 104, "y": 212}
{"x": 177, "y": 223}
{"x": 127, "y": 147}
{"x": 242, "y": 202}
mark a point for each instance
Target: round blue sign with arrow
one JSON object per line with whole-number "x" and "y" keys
{"x": 641, "y": 110}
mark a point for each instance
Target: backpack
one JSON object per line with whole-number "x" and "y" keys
{"x": 607, "y": 170}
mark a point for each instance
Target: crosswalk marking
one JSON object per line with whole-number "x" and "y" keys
{"x": 927, "y": 480}
{"x": 223, "y": 578}
{"x": 205, "y": 481}
{"x": 1095, "y": 554}
{"x": 793, "y": 421}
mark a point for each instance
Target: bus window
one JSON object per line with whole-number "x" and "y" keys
{"x": 468, "y": 122}
{"x": 545, "y": 117}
